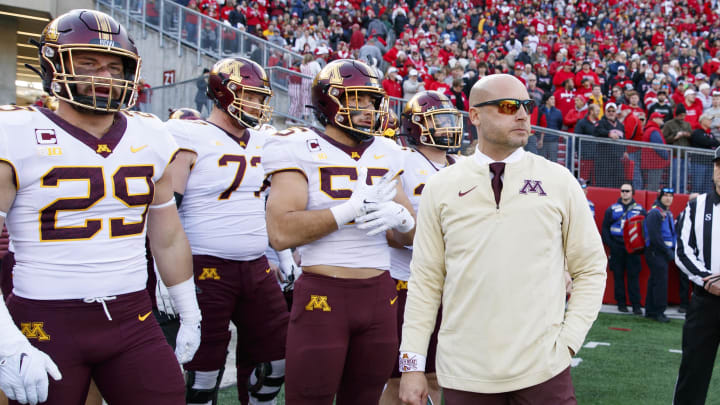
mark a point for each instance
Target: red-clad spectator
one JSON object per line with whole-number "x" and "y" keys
{"x": 391, "y": 83}
{"x": 357, "y": 39}
{"x": 436, "y": 81}
{"x": 151, "y": 12}
{"x": 144, "y": 93}
{"x": 563, "y": 75}
{"x": 391, "y": 55}
{"x": 658, "y": 38}
{"x": 586, "y": 88}
{"x": 654, "y": 161}
{"x": 620, "y": 79}
{"x": 457, "y": 96}
{"x": 253, "y": 18}
{"x": 565, "y": 97}
{"x": 633, "y": 103}
{"x": 586, "y": 73}
{"x": 557, "y": 64}
{"x": 633, "y": 128}
{"x": 678, "y": 96}
{"x": 575, "y": 114}
{"x": 694, "y": 108}
{"x": 225, "y": 12}
{"x": 711, "y": 66}
{"x": 686, "y": 74}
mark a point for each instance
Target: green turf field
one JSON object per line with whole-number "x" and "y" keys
{"x": 637, "y": 368}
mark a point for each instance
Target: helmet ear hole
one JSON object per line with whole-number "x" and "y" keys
{"x": 233, "y": 85}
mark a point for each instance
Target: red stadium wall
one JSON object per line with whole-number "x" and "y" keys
{"x": 603, "y": 198}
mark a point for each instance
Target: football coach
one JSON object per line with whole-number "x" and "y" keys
{"x": 495, "y": 234}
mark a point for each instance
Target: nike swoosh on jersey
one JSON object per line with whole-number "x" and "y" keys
{"x": 378, "y": 156}
{"x": 268, "y": 270}
{"x": 142, "y": 318}
{"x": 136, "y": 150}
{"x": 461, "y": 193}
{"x": 392, "y": 301}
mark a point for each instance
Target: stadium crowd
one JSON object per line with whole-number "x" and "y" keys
{"x": 631, "y": 56}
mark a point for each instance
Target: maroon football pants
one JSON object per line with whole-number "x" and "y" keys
{"x": 342, "y": 339}
{"x": 128, "y": 356}
{"x": 246, "y": 293}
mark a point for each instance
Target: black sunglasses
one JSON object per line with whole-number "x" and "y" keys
{"x": 510, "y": 106}
{"x": 668, "y": 190}
{"x": 626, "y": 191}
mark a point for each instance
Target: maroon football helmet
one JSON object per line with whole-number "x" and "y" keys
{"x": 431, "y": 119}
{"x": 185, "y": 114}
{"x": 89, "y": 31}
{"x": 335, "y": 97}
{"x": 231, "y": 85}
{"x": 390, "y": 125}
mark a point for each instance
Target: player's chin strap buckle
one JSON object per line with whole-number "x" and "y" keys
{"x": 101, "y": 300}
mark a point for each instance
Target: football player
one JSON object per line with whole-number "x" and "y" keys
{"x": 218, "y": 177}
{"x": 80, "y": 188}
{"x": 432, "y": 127}
{"x": 334, "y": 197}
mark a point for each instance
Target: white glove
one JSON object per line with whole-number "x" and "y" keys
{"x": 23, "y": 376}
{"x": 162, "y": 296}
{"x": 289, "y": 270}
{"x": 363, "y": 195}
{"x": 385, "y": 216}
{"x": 188, "y": 337}
{"x": 23, "y": 368}
{"x": 187, "y": 341}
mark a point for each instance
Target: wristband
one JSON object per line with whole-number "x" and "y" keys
{"x": 410, "y": 361}
{"x": 343, "y": 214}
{"x": 3, "y": 214}
{"x": 165, "y": 204}
{"x": 185, "y": 300}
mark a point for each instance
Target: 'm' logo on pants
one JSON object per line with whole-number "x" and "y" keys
{"x": 209, "y": 273}
{"x": 318, "y": 302}
{"x": 34, "y": 330}
{"x": 401, "y": 285}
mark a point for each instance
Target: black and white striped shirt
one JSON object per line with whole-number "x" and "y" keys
{"x": 698, "y": 248}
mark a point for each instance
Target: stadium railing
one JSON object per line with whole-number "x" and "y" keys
{"x": 602, "y": 162}
{"x": 180, "y": 26}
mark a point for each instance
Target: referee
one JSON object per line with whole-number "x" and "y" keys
{"x": 698, "y": 255}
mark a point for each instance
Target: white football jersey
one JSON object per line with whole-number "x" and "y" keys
{"x": 222, "y": 211}
{"x": 331, "y": 171}
{"x": 78, "y": 221}
{"x": 418, "y": 170}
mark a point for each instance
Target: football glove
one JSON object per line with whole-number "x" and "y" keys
{"x": 385, "y": 216}
{"x": 364, "y": 196}
{"x": 23, "y": 368}
{"x": 188, "y": 337}
{"x": 162, "y": 296}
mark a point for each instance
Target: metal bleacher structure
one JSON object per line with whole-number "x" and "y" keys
{"x": 601, "y": 161}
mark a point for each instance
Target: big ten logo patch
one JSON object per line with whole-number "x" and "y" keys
{"x": 209, "y": 273}
{"x": 34, "y": 330}
{"x": 318, "y": 302}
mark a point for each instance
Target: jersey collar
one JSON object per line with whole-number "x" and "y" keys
{"x": 103, "y": 146}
